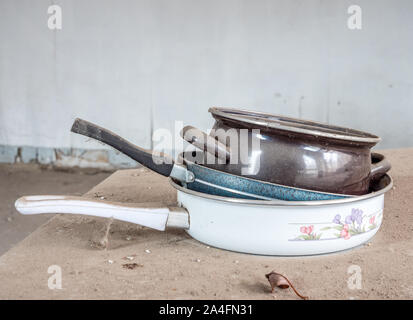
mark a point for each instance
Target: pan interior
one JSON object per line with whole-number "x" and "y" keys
{"x": 378, "y": 187}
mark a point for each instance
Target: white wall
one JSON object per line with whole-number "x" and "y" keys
{"x": 132, "y": 65}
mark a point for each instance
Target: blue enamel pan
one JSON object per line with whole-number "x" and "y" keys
{"x": 197, "y": 177}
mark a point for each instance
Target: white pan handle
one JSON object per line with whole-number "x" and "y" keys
{"x": 156, "y": 218}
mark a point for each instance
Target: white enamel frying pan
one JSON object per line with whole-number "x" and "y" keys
{"x": 250, "y": 226}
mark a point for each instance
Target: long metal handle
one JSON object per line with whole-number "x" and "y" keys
{"x": 153, "y": 217}
{"x": 161, "y": 163}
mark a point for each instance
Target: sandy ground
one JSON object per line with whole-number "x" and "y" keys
{"x": 171, "y": 265}
{"x": 24, "y": 179}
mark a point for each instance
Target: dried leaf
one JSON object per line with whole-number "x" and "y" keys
{"x": 132, "y": 266}
{"x": 278, "y": 280}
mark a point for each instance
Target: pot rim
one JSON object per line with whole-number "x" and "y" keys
{"x": 280, "y": 203}
{"x": 289, "y": 124}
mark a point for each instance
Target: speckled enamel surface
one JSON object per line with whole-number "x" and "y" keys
{"x": 250, "y": 186}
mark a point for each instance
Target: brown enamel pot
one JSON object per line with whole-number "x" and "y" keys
{"x": 296, "y": 153}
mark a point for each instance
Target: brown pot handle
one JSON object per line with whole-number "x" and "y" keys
{"x": 206, "y": 143}
{"x": 379, "y": 166}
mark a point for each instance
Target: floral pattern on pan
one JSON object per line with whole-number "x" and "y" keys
{"x": 341, "y": 227}
{"x": 308, "y": 233}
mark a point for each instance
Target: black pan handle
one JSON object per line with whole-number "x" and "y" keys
{"x": 161, "y": 163}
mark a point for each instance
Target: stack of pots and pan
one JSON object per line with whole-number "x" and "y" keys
{"x": 308, "y": 188}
